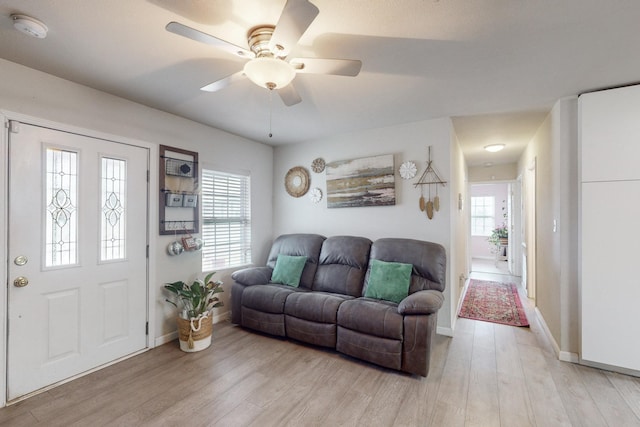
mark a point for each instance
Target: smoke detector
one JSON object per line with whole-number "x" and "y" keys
{"x": 30, "y": 26}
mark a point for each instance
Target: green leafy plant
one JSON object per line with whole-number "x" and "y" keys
{"x": 198, "y": 298}
{"x": 498, "y": 233}
{"x": 501, "y": 232}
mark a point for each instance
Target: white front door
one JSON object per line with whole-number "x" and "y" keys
{"x": 77, "y": 255}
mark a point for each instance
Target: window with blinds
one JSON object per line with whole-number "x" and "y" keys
{"x": 482, "y": 215}
{"x": 226, "y": 220}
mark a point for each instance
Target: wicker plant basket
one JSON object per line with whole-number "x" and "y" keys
{"x": 195, "y": 334}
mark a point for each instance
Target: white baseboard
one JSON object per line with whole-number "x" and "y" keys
{"x": 564, "y": 356}
{"x": 447, "y": 332}
{"x": 163, "y": 339}
{"x": 166, "y": 338}
{"x": 567, "y": 356}
{"x": 547, "y": 332}
{"x": 618, "y": 369}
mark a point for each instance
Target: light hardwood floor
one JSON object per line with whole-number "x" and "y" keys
{"x": 487, "y": 375}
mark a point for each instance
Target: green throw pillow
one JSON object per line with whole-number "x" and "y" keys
{"x": 288, "y": 270}
{"x": 388, "y": 280}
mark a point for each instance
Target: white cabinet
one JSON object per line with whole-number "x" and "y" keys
{"x": 610, "y": 227}
{"x": 610, "y": 134}
{"x": 611, "y": 273}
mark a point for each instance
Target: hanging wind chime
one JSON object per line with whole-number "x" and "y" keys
{"x": 431, "y": 178}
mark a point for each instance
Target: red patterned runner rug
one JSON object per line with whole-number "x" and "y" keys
{"x": 493, "y": 302}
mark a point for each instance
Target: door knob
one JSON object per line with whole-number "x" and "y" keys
{"x": 20, "y": 282}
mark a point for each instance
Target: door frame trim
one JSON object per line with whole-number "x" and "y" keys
{"x": 152, "y": 212}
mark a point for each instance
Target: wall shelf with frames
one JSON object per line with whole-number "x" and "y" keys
{"x": 178, "y": 196}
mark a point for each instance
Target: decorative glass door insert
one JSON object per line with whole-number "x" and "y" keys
{"x": 113, "y": 219}
{"x": 61, "y": 201}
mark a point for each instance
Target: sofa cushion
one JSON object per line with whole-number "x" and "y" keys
{"x": 315, "y": 306}
{"x": 288, "y": 270}
{"x": 267, "y": 298}
{"x": 343, "y": 263}
{"x": 372, "y": 317}
{"x": 429, "y": 261}
{"x": 298, "y": 245}
{"x": 389, "y": 280}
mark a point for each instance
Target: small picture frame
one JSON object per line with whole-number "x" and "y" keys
{"x": 189, "y": 243}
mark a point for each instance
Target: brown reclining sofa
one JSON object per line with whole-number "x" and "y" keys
{"x": 376, "y": 301}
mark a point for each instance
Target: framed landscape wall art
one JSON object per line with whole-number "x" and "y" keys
{"x": 369, "y": 181}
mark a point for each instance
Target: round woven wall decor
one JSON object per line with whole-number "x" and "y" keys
{"x": 296, "y": 182}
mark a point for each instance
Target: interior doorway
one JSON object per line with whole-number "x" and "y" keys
{"x": 495, "y": 218}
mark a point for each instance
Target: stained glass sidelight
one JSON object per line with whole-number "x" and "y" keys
{"x": 113, "y": 221}
{"x": 61, "y": 224}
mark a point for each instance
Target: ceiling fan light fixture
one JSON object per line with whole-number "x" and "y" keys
{"x": 494, "y": 148}
{"x": 269, "y": 72}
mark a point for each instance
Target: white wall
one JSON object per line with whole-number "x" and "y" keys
{"x": 554, "y": 149}
{"x": 459, "y": 258}
{"x": 29, "y": 92}
{"x": 405, "y": 142}
{"x": 502, "y": 172}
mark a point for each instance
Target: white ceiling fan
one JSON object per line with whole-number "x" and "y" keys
{"x": 269, "y": 45}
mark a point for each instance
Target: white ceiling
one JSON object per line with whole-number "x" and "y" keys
{"x": 495, "y": 66}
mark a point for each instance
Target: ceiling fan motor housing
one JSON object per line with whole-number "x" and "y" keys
{"x": 259, "y": 38}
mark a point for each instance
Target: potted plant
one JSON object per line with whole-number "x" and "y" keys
{"x": 499, "y": 235}
{"x": 195, "y": 324}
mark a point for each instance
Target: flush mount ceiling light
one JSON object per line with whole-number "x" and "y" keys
{"x": 493, "y": 148}
{"x": 30, "y": 26}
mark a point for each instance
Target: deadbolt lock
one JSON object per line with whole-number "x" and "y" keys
{"x": 21, "y": 260}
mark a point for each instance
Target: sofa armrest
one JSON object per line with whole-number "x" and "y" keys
{"x": 421, "y": 302}
{"x": 253, "y": 276}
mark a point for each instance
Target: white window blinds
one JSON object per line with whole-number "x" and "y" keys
{"x": 226, "y": 220}
{"x": 482, "y": 215}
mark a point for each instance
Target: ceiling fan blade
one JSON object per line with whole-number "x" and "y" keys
{"x": 199, "y": 36}
{"x": 289, "y": 95}
{"x": 222, "y": 83}
{"x": 338, "y": 67}
{"x": 296, "y": 17}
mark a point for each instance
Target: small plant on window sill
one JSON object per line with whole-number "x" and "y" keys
{"x": 198, "y": 299}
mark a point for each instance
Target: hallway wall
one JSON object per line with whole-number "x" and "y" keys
{"x": 554, "y": 150}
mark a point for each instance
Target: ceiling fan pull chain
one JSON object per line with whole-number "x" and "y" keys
{"x": 270, "y": 110}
